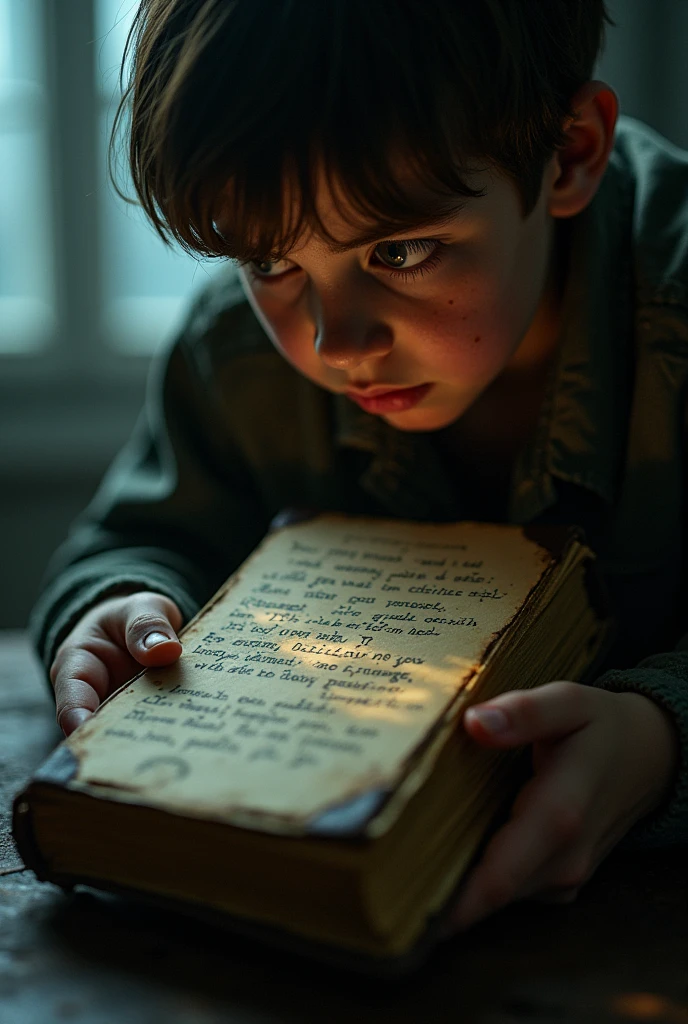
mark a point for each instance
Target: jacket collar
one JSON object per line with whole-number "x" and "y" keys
{"x": 405, "y": 473}
{"x": 581, "y": 429}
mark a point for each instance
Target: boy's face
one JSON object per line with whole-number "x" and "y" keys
{"x": 416, "y": 327}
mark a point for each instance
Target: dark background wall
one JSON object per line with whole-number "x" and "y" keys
{"x": 60, "y": 425}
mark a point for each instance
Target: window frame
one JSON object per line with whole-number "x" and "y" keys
{"x": 48, "y": 394}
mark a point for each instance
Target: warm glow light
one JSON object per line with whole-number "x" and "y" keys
{"x": 648, "y": 1006}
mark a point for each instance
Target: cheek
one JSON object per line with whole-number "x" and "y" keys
{"x": 292, "y": 336}
{"x": 484, "y": 313}
{"x": 286, "y": 324}
{"x": 468, "y": 329}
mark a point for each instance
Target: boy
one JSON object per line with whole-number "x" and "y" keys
{"x": 458, "y": 296}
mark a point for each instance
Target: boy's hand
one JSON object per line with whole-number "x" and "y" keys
{"x": 601, "y": 761}
{"x": 109, "y": 645}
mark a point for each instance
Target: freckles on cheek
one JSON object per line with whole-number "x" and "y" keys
{"x": 464, "y": 334}
{"x": 453, "y": 330}
{"x": 462, "y": 345}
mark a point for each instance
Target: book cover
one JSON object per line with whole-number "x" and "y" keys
{"x": 317, "y": 690}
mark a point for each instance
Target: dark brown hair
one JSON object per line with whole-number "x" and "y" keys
{"x": 259, "y": 94}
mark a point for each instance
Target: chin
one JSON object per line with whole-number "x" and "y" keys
{"x": 423, "y": 420}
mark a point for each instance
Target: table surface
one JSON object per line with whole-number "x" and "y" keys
{"x": 619, "y": 953}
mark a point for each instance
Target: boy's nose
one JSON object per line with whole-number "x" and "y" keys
{"x": 346, "y": 344}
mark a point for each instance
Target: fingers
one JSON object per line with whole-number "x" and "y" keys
{"x": 108, "y": 646}
{"x": 558, "y": 830}
{"x": 539, "y": 851}
{"x": 505, "y": 876}
{"x": 524, "y": 716}
{"x": 80, "y": 680}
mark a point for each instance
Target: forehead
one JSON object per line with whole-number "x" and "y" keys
{"x": 328, "y": 209}
{"x": 350, "y": 226}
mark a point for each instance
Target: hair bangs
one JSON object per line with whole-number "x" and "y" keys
{"x": 332, "y": 129}
{"x": 245, "y": 114}
{"x": 381, "y": 191}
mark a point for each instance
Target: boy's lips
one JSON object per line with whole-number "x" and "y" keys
{"x": 382, "y": 400}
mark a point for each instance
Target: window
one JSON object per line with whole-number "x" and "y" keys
{"x": 26, "y": 246}
{"x": 82, "y": 273}
{"x": 145, "y": 285}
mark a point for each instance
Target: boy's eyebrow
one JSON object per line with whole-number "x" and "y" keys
{"x": 381, "y": 232}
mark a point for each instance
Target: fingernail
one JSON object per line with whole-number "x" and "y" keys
{"x": 72, "y": 719}
{"x": 491, "y": 719}
{"x": 153, "y": 639}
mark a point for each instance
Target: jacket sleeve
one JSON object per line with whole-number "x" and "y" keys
{"x": 177, "y": 511}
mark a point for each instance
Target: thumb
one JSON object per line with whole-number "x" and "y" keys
{"x": 547, "y": 712}
{"x": 149, "y": 624}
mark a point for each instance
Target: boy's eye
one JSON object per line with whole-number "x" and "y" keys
{"x": 268, "y": 268}
{"x": 406, "y": 254}
{"x": 407, "y": 258}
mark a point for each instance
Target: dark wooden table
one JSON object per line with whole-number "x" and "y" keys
{"x": 619, "y": 953}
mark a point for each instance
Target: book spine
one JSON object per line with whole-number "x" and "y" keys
{"x": 24, "y": 836}
{"x": 57, "y": 771}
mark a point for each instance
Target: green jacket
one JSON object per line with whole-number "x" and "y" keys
{"x": 231, "y": 434}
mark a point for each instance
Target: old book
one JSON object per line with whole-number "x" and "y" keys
{"x": 302, "y": 773}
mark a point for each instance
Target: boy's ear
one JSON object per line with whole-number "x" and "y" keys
{"x": 577, "y": 167}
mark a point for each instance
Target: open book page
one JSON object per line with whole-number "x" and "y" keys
{"x": 315, "y": 674}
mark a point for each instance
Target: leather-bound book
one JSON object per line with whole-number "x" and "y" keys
{"x": 301, "y": 773}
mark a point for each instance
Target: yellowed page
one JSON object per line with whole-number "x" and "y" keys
{"x": 312, "y": 679}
